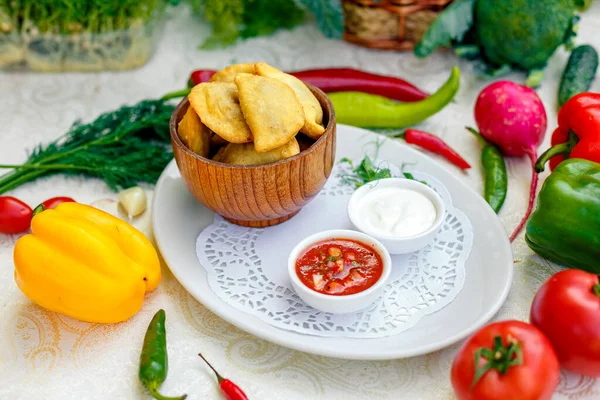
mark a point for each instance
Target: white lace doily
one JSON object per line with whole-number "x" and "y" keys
{"x": 247, "y": 268}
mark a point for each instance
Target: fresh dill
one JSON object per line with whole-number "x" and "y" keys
{"x": 123, "y": 147}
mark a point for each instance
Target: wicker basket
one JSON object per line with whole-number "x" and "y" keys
{"x": 389, "y": 24}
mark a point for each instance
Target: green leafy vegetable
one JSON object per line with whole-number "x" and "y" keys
{"x": 234, "y": 19}
{"x": 410, "y": 176}
{"x": 329, "y": 16}
{"x": 365, "y": 172}
{"x": 451, "y": 25}
{"x": 226, "y": 17}
{"x": 262, "y": 18}
{"x": 122, "y": 147}
{"x": 522, "y": 33}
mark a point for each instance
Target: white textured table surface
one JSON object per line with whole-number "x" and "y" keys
{"x": 48, "y": 356}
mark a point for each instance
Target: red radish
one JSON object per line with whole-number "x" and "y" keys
{"x": 513, "y": 117}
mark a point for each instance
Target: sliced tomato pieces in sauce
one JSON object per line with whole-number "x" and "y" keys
{"x": 339, "y": 267}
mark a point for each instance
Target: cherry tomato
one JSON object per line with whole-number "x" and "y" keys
{"x": 567, "y": 309}
{"x": 514, "y": 361}
{"x": 15, "y": 216}
{"x": 53, "y": 202}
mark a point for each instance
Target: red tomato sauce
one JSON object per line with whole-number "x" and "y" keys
{"x": 339, "y": 267}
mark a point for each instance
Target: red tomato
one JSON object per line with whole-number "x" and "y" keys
{"x": 53, "y": 202}
{"x": 567, "y": 309}
{"x": 15, "y": 216}
{"x": 514, "y": 359}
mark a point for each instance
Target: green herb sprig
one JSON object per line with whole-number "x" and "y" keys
{"x": 367, "y": 172}
{"x": 123, "y": 147}
{"x": 364, "y": 173}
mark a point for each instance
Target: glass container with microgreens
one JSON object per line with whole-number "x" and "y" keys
{"x": 79, "y": 35}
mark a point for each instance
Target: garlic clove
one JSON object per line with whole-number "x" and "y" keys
{"x": 133, "y": 201}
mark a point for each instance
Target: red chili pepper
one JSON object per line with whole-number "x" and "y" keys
{"x": 341, "y": 80}
{"x": 435, "y": 145}
{"x": 230, "y": 390}
{"x": 200, "y": 76}
{"x": 353, "y": 80}
{"x": 15, "y": 216}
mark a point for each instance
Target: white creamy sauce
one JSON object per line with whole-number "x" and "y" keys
{"x": 396, "y": 212}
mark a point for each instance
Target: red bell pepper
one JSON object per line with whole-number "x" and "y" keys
{"x": 578, "y": 132}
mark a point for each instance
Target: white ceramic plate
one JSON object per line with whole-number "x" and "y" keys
{"x": 178, "y": 220}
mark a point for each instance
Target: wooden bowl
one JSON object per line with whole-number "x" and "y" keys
{"x": 258, "y": 195}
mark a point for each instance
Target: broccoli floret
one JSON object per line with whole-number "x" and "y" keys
{"x": 522, "y": 33}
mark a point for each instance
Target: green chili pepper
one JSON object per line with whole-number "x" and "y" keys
{"x": 494, "y": 173}
{"x": 368, "y": 110}
{"x": 154, "y": 363}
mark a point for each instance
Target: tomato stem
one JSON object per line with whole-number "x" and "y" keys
{"x": 38, "y": 210}
{"x": 500, "y": 357}
{"x": 596, "y": 287}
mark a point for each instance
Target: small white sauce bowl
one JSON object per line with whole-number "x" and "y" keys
{"x": 395, "y": 244}
{"x": 344, "y": 303}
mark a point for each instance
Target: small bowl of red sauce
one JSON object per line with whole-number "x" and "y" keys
{"x": 339, "y": 271}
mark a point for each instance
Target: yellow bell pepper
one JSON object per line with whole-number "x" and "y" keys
{"x": 85, "y": 263}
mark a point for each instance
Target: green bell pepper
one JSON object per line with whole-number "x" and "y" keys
{"x": 565, "y": 227}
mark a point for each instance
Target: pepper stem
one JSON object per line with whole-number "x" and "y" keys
{"x": 556, "y": 150}
{"x": 153, "y": 389}
{"x": 477, "y": 134}
{"x": 563, "y": 148}
{"x": 401, "y": 135}
{"x": 596, "y": 287}
{"x": 219, "y": 377}
{"x": 500, "y": 358}
{"x": 176, "y": 94}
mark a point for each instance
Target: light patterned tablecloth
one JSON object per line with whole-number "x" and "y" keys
{"x": 48, "y": 356}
